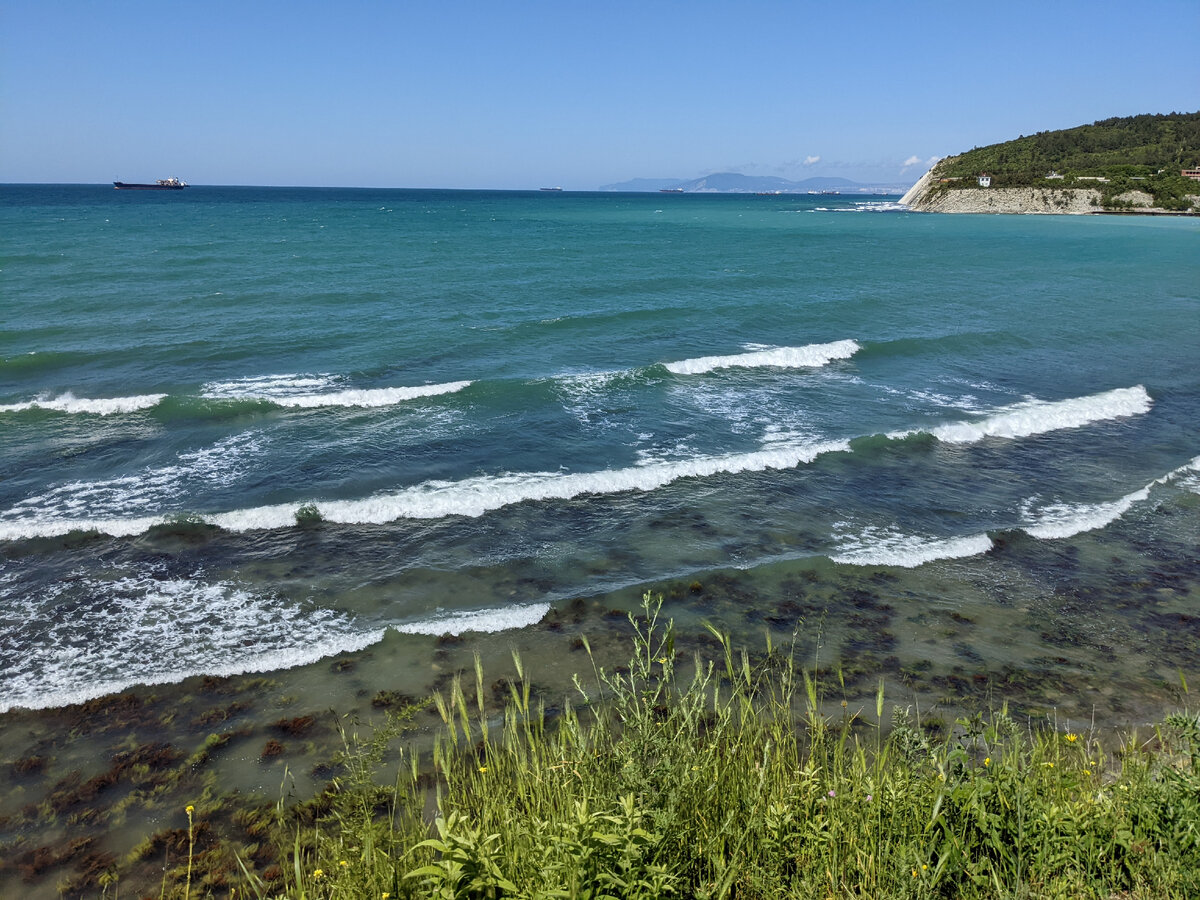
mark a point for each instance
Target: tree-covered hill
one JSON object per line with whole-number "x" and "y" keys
{"x": 1144, "y": 152}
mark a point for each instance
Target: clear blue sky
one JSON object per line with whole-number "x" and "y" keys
{"x": 579, "y": 94}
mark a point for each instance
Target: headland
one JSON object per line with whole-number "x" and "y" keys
{"x": 1134, "y": 165}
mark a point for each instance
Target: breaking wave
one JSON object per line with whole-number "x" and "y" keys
{"x": 1040, "y": 416}
{"x": 69, "y": 403}
{"x": 1063, "y": 520}
{"x": 875, "y": 546}
{"x": 468, "y": 497}
{"x": 810, "y": 356}
{"x": 482, "y": 621}
{"x": 146, "y": 629}
{"x": 314, "y": 391}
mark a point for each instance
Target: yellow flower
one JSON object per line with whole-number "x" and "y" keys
{"x": 1047, "y": 765}
{"x": 987, "y": 760}
{"x": 1072, "y": 737}
{"x": 190, "y": 809}
{"x": 483, "y": 768}
{"x": 318, "y": 873}
{"x": 343, "y": 864}
{"x": 385, "y": 896}
{"x": 924, "y": 867}
{"x": 1087, "y": 771}
{"x": 662, "y": 660}
{"x": 914, "y": 873}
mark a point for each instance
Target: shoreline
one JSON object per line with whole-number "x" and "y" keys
{"x": 92, "y": 786}
{"x": 926, "y": 196}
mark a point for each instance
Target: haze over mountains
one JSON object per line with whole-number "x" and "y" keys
{"x": 736, "y": 183}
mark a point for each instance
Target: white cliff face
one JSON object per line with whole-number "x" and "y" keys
{"x": 925, "y": 196}
{"x": 914, "y": 193}
{"x": 1028, "y": 201}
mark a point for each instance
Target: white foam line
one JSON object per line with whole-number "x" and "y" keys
{"x": 1062, "y": 520}
{"x": 271, "y": 661}
{"x": 69, "y": 403}
{"x": 1188, "y": 468}
{"x": 368, "y": 398}
{"x": 469, "y": 497}
{"x": 484, "y": 621}
{"x": 812, "y": 355}
{"x": 23, "y": 530}
{"x": 876, "y": 547}
{"x": 1040, "y": 416}
{"x": 476, "y": 496}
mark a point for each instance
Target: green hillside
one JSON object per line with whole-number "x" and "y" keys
{"x": 1143, "y": 152}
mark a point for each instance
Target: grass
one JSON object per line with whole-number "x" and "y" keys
{"x": 721, "y": 778}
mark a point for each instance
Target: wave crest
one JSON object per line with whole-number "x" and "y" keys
{"x": 889, "y": 547}
{"x": 105, "y": 406}
{"x": 810, "y": 356}
{"x": 1041, "y": 416}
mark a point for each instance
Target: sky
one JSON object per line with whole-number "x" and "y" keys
{"x": 512, "y": 95}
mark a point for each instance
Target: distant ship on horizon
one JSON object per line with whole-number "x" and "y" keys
{"x": 163, "y": 184}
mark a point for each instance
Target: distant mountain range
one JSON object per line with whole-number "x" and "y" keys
{"x": 735, "y": 183}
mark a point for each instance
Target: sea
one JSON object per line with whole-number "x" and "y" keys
{"x": 254, "y": 430}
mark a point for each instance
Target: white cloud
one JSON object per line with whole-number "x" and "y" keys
{"x": 811, "y": 160}
{"x": 913, "y": 161}
{"x": 932, "y": 160}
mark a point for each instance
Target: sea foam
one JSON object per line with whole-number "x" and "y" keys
{"x": 480, "y": 621}
{"x": 1039, "y": 416}
{"x": 809, "y": 356}
{"x": 1063, "y": 520}
{"x": 314, "y": 391}
{"x": 69, "y": 403}
{"x": 469, "y": 497}
{"x": 875, "y": 546}
{"x": 149, "y": 629}
{"x": 130, "y": 504}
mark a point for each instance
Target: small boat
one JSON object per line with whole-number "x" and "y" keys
{"x": 550, "y": 189}
{"x": 163, "y": 184}
{"x": 670, "y": 190}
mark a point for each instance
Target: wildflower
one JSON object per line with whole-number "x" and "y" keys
{"x": 1047, "y": 765}
{"x": 1072, "y": 737}
{"x": 987, "y": 760}
{"x": 833, "y": 793}
{"x": 483, "y": 768}
{"x": 662, "y": 660}
{"x": 344, "y": 864}
{"x": 190, "y": 809}
{"x": 1087, "y": 771}
{"x": 318, "y": 873}
{"x": 868, "y": 798}
{"x": 914, "y": 873}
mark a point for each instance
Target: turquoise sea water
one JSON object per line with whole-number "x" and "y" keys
{"x": 496, "y": 403}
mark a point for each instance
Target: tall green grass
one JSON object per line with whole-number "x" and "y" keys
{"x": 675, "y": 777}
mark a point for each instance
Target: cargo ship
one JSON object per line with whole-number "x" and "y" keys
{"x": 163, "y": 184}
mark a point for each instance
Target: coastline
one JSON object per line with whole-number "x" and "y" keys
{"x": 925, "y": 196}
{"x": 99, "y": 786}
